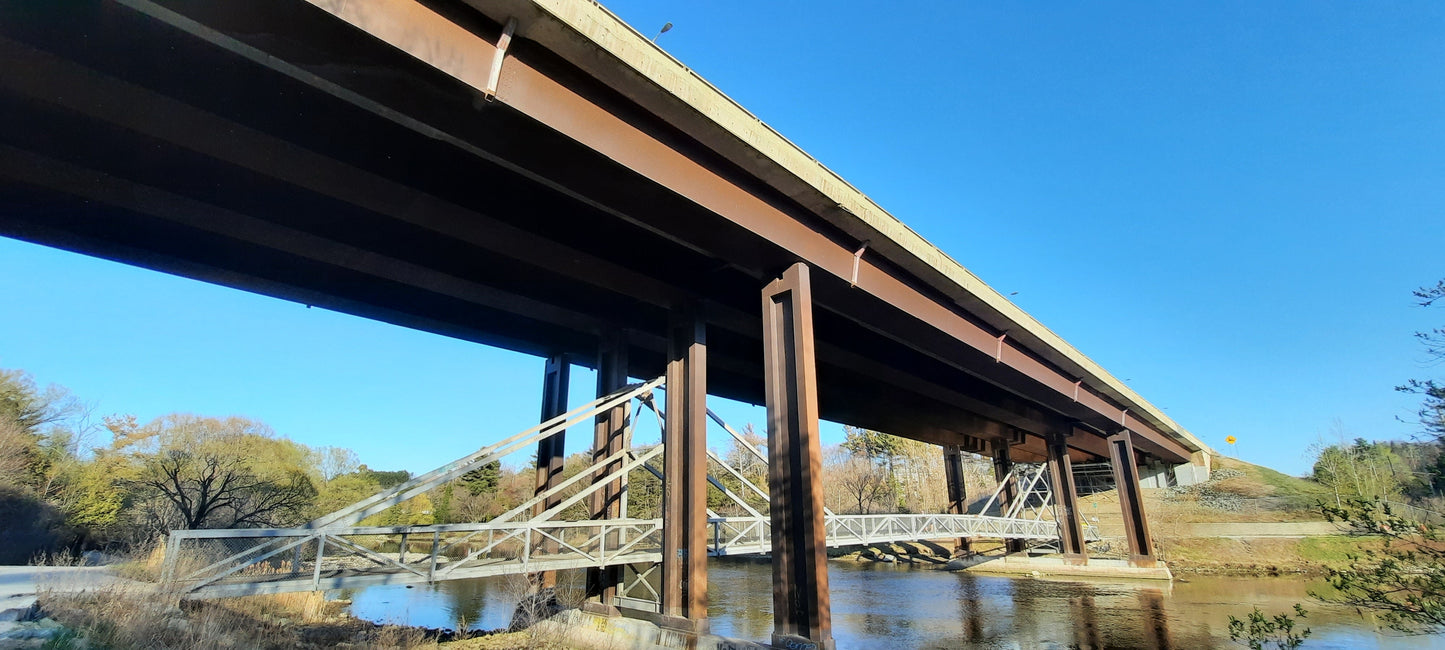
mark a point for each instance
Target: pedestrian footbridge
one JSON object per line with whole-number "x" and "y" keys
{"x": 335, "y": 552}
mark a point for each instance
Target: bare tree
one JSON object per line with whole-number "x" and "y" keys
{"x": 745, "y": 462}
{"x": 864, "y": 482}
{"x": 15, "y": 447}
{"x": 335, "y": 461}
{"x": 208, "y": 490}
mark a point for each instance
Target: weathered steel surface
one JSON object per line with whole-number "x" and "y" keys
{"x": 502, "y": 267}
{"x": 551, "y": 451}
{"x": 957, "y": 486}
{"x": 1126, "y": 481}
{"x": 609, "y": 438}
{"x": 1008, "y": 490}
{"x": 800, "y": 573}
{"x": 1061, "y": 474}
{"x": 601, "y": 44}
{"x": 684, "y": 492}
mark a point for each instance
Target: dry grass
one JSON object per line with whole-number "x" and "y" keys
{"x": 1243, "y": 486}
{"x": 502, "y": 641}
{"x": 569, "y": 594}
{"x": 124, "y": 618}
{"x": 1266, "y": 556}
{"x": 144, "y": 565}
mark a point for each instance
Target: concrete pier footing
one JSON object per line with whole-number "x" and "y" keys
{"x": 1059, "y": 567}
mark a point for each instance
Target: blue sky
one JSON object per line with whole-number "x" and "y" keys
{"x": 1226, "y": 205}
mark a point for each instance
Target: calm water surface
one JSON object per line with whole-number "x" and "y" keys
{"x": 887, "y": 606}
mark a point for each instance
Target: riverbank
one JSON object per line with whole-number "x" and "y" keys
{"x": 1246, "y": 520}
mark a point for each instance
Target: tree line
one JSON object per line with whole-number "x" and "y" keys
{"x": 70, "y": 482}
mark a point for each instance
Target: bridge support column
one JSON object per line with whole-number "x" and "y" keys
{"x": 550, "y": 451}
{"x": 684, "y": 490}
{"x": 1003, "y": 464}
{"x": 608, "y": 439}
{"x": 957, "y": 488}
{"x": 1131, "y": 501}
{"x": 801, "y": 610}
{"x": 1066, "y": 507}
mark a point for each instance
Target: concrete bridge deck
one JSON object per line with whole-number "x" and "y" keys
{"x": 536, "y": 175}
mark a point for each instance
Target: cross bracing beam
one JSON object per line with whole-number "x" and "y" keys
{"x": 238, "y": 146}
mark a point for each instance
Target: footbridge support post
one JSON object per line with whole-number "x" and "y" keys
{"x": 1066, "y": 508}
{"x": 684, "y": 490}
{"x": 802, "y": 613}
{"x": 609, "y": 438}
{"x": 1131, "y": 501}
{"x": 1002, "y": 472}
{"x": 957, "y": 488}
{"x": 551, "y": 454}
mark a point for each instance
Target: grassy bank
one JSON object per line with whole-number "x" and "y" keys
{"x": 1238, "y": 492}
{"x": 123, "y": 618}
{"x": 1264, "y": 556}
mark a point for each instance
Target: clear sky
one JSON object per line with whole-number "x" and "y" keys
{"x": 1226, "y": 205}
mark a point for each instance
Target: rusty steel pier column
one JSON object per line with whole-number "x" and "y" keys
{"x": 1131, "y": 501}
{"x": 550, "y": 451}
{"x": 684, "y": 489}
{"x": 801, "y": 612}
{"x": 1003, "y": 464}
{"x": 608, "y": 439}
{"x": 957, "y": 488}
{"x": 1066, "y": 498}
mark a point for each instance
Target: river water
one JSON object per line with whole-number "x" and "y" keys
{"x": 892, "y": 606}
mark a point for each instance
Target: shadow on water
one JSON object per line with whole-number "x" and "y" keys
{"x": 880, "y": 605}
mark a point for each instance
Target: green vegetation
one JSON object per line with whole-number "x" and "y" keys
{"x": 68, "y": 483}
{"x": 1399, "y": 572}
{"x": 1259, "y": 631}
{"x": 1403, "y": 580}
{"x": 1283, "y": 485}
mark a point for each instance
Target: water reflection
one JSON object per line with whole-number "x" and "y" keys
{"x": 878, "y": 605}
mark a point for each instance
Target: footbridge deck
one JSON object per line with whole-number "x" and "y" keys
{"x": 337, "y": 552}
{"x": 300, "y": 559}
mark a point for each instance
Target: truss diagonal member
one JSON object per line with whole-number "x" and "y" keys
{"x": 641, "y": 537}
{"x": 550, "y": 492}
{"x": 731, "y": 495}
{"x": 369, "y": 554}
{"x": 749, "y": 446}
{"x": 626, "y": 467}
{"x": 736, "y": 533}
{"x": 387, "y": 498}
{"x": 736, "y": 474}
{"x": 1002, "y": 484}
{"x": 1026, "y": 494}
{"x": 738, "y": 437}
{"x": 632, "y": 455}
{"x": 641, "y": 578}
{"x": 172, "y": 558}
{"x": 544, "y": 534}
{"x": 516, "y": 532}
{"x": 282, "y": 549}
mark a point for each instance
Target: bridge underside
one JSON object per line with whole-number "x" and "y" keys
{"x": 410, "y": 161}
{"x": 271, "y": 147}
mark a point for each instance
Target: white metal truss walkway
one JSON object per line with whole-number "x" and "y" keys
{"x": 334, "y": 552}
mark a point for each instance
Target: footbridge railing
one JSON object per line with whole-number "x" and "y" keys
{"x": 335, "y": 551}
{"x": 253, "y": 561}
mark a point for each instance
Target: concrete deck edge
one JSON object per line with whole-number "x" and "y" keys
{"x": 612, "y": 35}
{"x": 1096, "y": 568}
